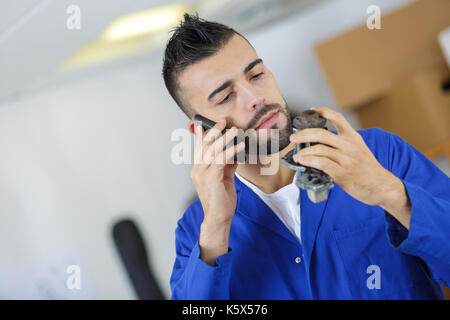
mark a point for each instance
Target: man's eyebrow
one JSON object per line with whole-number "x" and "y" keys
{"x": 228, "y": 83}
{"x": 251, "y": 65}
{"x": 225, "y": 85}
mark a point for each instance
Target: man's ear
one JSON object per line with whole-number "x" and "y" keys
{"x": 191, "y": 127}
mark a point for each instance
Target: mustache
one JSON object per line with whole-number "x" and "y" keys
{"x": 262, "y": 112}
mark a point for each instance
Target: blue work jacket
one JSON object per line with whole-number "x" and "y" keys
{"x": 349, "y": 250}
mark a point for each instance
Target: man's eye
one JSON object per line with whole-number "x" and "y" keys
{"x": 226, "y": 99}
{"x": 258, "y": 75}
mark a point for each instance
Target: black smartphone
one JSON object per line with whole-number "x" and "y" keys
{"x": 207, "y": 124}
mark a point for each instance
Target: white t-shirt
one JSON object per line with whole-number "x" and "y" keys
{"x": 284, "y": 203}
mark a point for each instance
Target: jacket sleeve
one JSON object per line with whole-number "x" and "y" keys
{"x": 428, "y": 189}
{"x": 194, "y": 279}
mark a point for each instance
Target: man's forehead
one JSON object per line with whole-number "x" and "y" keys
{"x": 224, "y": 65}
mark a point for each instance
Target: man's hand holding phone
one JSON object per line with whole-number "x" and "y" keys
{"x": 213, "y": 177}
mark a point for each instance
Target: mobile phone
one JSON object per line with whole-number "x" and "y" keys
{"x": 207, "y": 124}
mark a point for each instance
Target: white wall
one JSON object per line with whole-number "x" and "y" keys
{"x": 76, "y": 157}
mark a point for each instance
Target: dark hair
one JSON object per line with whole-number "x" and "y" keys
{"x": 193, "y": 40}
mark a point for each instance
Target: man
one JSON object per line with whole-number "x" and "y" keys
{"x": 383, "y": 233}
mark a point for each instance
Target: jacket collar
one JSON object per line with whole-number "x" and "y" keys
{"x": 251, "y": 206}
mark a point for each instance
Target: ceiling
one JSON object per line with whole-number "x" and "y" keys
{"x": 35, "y": 40}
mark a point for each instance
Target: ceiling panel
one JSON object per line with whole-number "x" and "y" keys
{"x": 11, "y": 11}
{"x": 30, "y": 53}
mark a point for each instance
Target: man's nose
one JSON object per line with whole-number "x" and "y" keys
{"x": 252, "y": 99}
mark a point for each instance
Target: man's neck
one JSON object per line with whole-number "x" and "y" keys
{"x": 268, "y": 183}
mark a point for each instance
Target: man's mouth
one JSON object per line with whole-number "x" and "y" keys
{"x": 269, "y": 120}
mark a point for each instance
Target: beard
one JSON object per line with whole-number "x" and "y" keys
{"x": 277, "y": 138}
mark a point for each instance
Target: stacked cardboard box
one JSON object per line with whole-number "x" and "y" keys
{"x": 417, "y": 109}
{"x": 393, "y": 78}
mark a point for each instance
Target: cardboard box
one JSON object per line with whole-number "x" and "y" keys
{"x": 444, "y": 41}
{"x": 363, "y": 64}
{"x": 417, "y": 109}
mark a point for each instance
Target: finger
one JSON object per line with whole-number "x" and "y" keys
{"x": 199, "y": 164}
{"x": 219, "y": 144}
{"x": 198, "y": 149}
{"x": 322, "y": 163}
{"x": 318, "y": 135}
{"x": 204, "y": 140}
{"x": 226, "y": 157}
{"x": 322, "y": 151}
{"x": 336, "y": 118}
{"x": 215, "y": 131}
